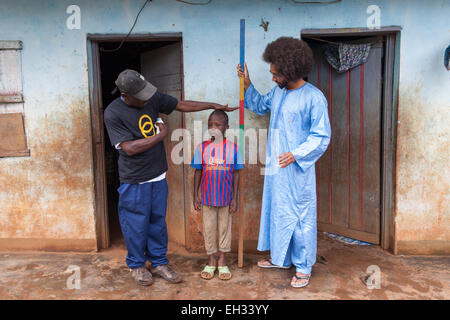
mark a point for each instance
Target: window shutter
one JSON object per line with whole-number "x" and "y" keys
{"x": 13, "y": 140}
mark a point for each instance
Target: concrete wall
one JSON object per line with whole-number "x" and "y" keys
{"x": 47, "y": 198}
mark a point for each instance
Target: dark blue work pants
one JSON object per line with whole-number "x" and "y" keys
{"x": 142, "y": 216}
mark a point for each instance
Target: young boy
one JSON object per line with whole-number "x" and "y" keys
{"x": 216, "y": 183}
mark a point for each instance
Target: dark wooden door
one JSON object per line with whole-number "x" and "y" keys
{"x": 349, "y": 173}
{"x": 162, "y": 67}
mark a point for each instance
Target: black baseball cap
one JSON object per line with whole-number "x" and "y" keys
{"x": 133, "y": 83}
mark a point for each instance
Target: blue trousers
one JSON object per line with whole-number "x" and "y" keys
{"x": 298, "y": 250}
{"x": 142, "y": 216}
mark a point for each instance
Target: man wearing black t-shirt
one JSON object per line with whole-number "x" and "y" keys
{"x": 132, "y": 128}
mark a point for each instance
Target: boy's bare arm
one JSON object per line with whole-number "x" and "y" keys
{"x": 197, "y": 198}
{"x": 234, "y": 200}
{"x": 235, "y": 183}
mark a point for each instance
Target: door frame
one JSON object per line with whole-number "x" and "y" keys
{"x": 389, "y": 100}
{"x": 96, "y": 117}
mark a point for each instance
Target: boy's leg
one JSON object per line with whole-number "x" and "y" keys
{"x": 209, "y": 218}
{"x": 212, "y": 260}
{"x": 224, "y": 225}
{"x": 134, "y": 209}
{"x": 157, "y": 238}
{"x": 224, "y": 241}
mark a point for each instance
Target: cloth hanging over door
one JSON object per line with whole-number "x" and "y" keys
{"x": 344, "y": 56}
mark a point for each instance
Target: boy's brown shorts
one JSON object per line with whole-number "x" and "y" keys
{"x": 216, "y": 218}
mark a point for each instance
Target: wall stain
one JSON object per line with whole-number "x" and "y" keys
{"x": 49, "y": 194}
{"x": 422, "y": 208}
{"x": 264, "y": 25}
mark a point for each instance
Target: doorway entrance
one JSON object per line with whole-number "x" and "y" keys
{"x": 355, "y": 176}
{"x": 159, "y": 59}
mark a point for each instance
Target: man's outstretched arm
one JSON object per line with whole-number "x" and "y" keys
{"x": 193, "y": 106}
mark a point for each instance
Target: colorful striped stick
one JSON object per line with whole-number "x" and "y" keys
{"x": 242, "y": 147}
{"x": 241, "y": 89}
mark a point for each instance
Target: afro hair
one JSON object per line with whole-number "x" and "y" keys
{"x": 292, "y": 58}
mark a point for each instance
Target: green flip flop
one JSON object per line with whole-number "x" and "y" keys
{"x": 224, "y": 273}
{"x": 208, "y": 272}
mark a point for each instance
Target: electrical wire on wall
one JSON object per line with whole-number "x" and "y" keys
{"x": 131, "y": 30}
{"x": 195, "y": 3}
{"x": 199, "y": 3}
{"x": 315, "y": 2}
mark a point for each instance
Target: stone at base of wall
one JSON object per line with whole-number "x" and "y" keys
{"x": 61, "y": 245}
{"x": 423, "y": 247}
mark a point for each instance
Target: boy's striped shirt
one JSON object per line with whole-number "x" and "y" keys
{"x": 217, "y": 162}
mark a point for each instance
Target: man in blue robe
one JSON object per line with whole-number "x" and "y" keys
{"x": 299, "y": 133}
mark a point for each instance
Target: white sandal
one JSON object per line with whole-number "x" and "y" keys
{"x": 301, "y": 285}
{"x": 271, "y": 265}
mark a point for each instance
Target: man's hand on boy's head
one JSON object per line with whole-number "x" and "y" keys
{"x": 224, "y": 107}
{"x": 233, "y": 206}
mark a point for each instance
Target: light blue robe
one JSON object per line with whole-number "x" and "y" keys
{"x": 299, "y": 123}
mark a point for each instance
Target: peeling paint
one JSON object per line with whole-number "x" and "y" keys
{"x": 423, "y": 211}
{"x": 50, "y": 193}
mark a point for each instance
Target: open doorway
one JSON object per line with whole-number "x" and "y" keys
{"x": 355, "y": 176}
{"x": 159, "y": 59}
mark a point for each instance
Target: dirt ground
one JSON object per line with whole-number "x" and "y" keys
{"x": 341, "y": 275}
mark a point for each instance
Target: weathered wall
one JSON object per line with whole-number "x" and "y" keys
{"x": 46, "y": 200}
{"x": 49, "y": 195}
{"x": 423, "y": 174}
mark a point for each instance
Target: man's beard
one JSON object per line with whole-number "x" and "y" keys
{"x": 282, "y": 85}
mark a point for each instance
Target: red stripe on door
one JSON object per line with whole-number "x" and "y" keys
{"x": 361, "y": 144}
{"x": 348, "y": 149}
{"x": 330, "y": 167}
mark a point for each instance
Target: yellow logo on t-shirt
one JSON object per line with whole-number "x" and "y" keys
{"x": 216, "y": 164}
{"x": 147, "y": 126}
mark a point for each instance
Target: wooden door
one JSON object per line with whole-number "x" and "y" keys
{"x": 349, "y": 173}
{"x": 162, "y": 67}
